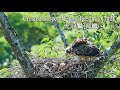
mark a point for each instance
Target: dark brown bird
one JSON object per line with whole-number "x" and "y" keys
{"x": 83, "y": 48}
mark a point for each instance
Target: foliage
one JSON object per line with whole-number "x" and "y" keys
{"x": 4, "y": 73}
{"x": 6, "y": 54}
{"x": 48, "y": 48}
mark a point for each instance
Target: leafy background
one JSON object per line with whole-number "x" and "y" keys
{"x": 41, "y": 38}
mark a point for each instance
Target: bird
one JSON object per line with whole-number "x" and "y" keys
{"x": 84, "y": 50}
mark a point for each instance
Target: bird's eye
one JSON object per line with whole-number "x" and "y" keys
{"x": 67, "y": 51}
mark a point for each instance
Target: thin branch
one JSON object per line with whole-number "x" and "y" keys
{"x": 17, "y": 47}
{"x": 59, "y": 30}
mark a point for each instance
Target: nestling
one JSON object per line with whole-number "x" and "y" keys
{"x": 84, "y": 49}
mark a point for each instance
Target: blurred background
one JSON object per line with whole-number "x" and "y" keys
{"x": 41, "y": 39}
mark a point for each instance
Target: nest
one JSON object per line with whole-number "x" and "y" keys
{"x": 58, "y": 68}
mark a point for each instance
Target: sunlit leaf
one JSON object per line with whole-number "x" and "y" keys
{"x": 45, "y": 40}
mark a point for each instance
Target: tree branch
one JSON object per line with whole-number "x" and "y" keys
{"x": 107, "y": 55}
{"x": 16, "y": 46}
{"x": 59, "y": 30}
{"x": 115, "y": 46}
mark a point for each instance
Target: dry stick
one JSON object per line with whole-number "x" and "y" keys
{"x": 17, "y": 47}
{"x": 59, "y": 30}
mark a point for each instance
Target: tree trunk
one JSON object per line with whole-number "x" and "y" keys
{"x": 16, "y": 46}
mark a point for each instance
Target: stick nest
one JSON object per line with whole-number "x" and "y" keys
{"x": 58, "y": 68}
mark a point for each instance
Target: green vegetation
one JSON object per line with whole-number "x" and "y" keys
{"x": 41, "y": 39}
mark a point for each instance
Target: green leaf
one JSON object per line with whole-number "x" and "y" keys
{"x": 117, "y": 72}
{"x": 111, "y": 62}
{"x": 109, "y": 33}
{"x": 98, "y": 32}
{"x": 50, "y": 43}
{"x": 45, "y": 40}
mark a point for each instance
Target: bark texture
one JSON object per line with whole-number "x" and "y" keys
{"x": 17, "y": 47}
